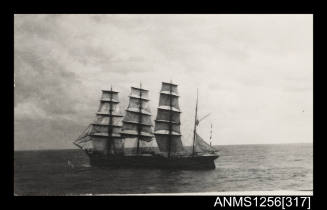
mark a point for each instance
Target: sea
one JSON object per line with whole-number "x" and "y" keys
{"x": 276, "y": 167}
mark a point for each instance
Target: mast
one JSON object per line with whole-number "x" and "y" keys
{"x": 137, "y": 123}
{"x": 167, "y": 123}
{"x": 103, "y": 135}
{"x": 139, "y": 126}
{"x": 110, "y": 125}
{"x": 195, "y": 121}
{"x": 170, "y": 120}
{"x": 109, "y": 115}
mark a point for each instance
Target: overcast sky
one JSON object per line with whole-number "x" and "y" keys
{"x": 253, "y": 72}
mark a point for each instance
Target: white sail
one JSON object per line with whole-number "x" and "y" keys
{"x": 98, "y": 144}
{"x": 135, "y": 103}
{"x": 139, "y": 93}
{"x": 164, "y": 126}
{"x": 109, "y": 95}
{"x": 169, "y": 88}
{"x": 144, "y": 146}
{"x": 201, "y": 145}
{"x": 102, "y": 130}
{"x": 104, "y": 108}
{"x": 134, "y": 117}
{"x": 168, "y": 115}
{"x": 133, "y": 128}
{"x": 137, "y": 122}
{"x": 104, "y": 134}
{"x": 167, "y": 123}
{"x": 169, "y": 143}
{"x": 104, "y": 120}
{"x": 167, "y": 100}
{"x": 84, "y": 141}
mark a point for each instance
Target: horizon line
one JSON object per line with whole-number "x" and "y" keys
{"x": 184, "y": 146}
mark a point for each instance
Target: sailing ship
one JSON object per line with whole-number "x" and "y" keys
{"x": 124, "y": 141}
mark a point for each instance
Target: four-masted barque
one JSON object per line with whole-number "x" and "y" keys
{"x": 124, "y": 141}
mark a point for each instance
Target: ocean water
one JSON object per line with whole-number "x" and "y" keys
{"x": 239, "y": 168}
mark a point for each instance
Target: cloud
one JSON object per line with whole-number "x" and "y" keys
{"x": 253, "y": 72}
{"x": 43, "y": 81}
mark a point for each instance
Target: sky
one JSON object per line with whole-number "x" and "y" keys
{"x": 254, "y": 73}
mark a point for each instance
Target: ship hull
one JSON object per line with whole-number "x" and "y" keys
{"x": 205, "y": 162}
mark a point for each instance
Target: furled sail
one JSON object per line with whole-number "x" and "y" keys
{"x": 103, "y": 135}
{"x": 137, "y": 123}
{"x": 167, "y": 123}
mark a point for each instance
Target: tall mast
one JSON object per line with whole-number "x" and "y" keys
{"x": 170, "y": 119}
{"x": 195, "y": 120}
{"x": 110, "y": 124}
{"x": 139, "y": 126}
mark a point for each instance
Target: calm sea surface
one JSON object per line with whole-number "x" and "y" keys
{"x": 239, "y": 168}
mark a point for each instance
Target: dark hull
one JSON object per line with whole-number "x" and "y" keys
{"x": 155, "y": 162}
